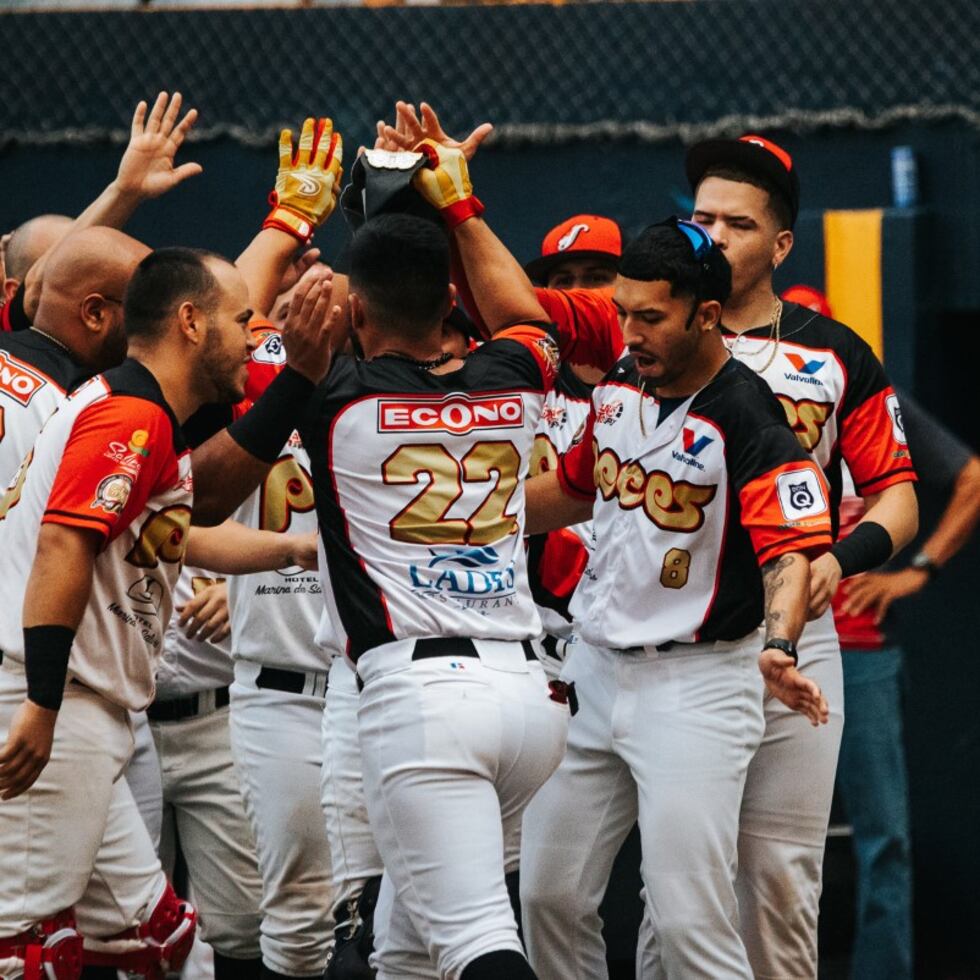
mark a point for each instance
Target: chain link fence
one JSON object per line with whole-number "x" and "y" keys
{"x": 542, "y": 74}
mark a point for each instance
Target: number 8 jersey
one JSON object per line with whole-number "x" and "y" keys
{"x": 418, "y": 479}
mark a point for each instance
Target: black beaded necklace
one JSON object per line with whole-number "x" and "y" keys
{"x": 444, "y": 358}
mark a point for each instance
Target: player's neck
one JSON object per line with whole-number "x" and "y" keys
{"x": 752, "y": 309}
{"x": 171, "y": 375}
{"x": 711, "y": 359}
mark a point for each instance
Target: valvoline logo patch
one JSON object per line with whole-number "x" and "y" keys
{"x": 804, "y": 367}
{"x": 694, "y": 446}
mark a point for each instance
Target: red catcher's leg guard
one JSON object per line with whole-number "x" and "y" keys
{"x": 52, "y": 950}
{"x": 158, "y": 946}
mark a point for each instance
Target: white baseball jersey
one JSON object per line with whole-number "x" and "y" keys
{"x": 687, "y": 509}
{"x": 556, "y": 560}
{"x": 35, "y": 373}
{"x": 191, "y": 665}
{"x": 111, "y": 460}
{"x": 274, "y": 615}
{"x": 418, "y": 481}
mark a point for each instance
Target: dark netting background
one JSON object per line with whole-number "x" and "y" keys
{"x": 541, "y": 73}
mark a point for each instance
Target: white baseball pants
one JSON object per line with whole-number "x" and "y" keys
{"x": 143, "y": 776}
{"x": 353, "y": 853}
{"x": 203, "y": 809}
{"x": 275, "y": 740}
{"x": 785, "y": 814}
{"x": 75, "y": 838}
{"x": 453, "y": 750}
{"x": 665, "y": 739}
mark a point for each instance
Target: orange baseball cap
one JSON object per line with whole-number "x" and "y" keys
{"x": 810, "y": 297}
{"x": 582, "y": 236}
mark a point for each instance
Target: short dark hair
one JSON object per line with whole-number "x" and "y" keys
{"x": 663, "y": 251}
{"x": 166, "y": 278}
{"x": 779, "y": 207}
{"x": 399, "y": 264}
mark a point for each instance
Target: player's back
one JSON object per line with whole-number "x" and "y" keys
{"x": 418, "y": 480}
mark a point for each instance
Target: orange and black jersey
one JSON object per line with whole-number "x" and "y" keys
{"x": 836, "y": 397}
{"x": 685, "y": 511}
{"x": 419, "y": 480}
{"x": 35, "y": 374}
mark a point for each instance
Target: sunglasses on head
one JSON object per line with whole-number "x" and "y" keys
{"x": 700, "y": 240}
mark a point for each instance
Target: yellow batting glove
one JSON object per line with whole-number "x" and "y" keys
{"x": 445, "y": 183}
{"x": 308, "y": 182}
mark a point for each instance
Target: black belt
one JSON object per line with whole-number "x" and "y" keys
{"x": 660, "y": 647}
{"x": 277, "y": 679}
{"x": 457, "y": 646}
{"x": 177, "y": 709}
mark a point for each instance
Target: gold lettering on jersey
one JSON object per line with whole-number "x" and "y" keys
{"x": 287, "y": 489}
{"x": 12, "y": 497}
{"x": 423, "y": 520}
{"x": 17, "y": 380}
{"x": 163, "y": 537}
{"x": 673, "y": 505}
{"x": 544, "y": 456}
{"x": 807, "y": 419}
{"x": 456, "y": 414}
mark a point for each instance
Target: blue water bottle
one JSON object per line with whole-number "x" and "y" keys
{"x": 905, "y": 177}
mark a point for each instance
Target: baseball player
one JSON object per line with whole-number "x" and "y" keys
{"x": 418, "y": 459}
{"x": 694, "y": 481}
{"x": 80, "y": 649}
{"x": 202, "y": 799}
{"x": 840, "y": 404}
{"x": 21, "y": 249}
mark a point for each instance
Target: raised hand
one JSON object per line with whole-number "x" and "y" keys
{"x": 785, "y": 682}
{"x": 313, "y": 330}
{"x": 147, "y": 167}
{"x": 308, "y": 181}
{"x": 410, "y": 129}
{"x": 445, "y": 183}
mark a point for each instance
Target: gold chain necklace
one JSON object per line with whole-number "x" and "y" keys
{"x": 774, "y": 332}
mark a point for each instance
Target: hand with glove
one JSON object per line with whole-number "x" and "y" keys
{"x": 445, "y": 183}
{"x": 308, "y": 181}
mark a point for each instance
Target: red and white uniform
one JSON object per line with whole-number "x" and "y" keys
{"x": 418, "y": 482}
{"x": 35, "y": 373}
{"x": 111, "y": 461}
{"x": 689, "y": 500}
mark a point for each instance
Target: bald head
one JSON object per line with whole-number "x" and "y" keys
{"x": 31, "y": 240}
{"x": 81, "y": 294}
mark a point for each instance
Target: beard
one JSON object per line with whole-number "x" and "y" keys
{"x": 219, "y": 372}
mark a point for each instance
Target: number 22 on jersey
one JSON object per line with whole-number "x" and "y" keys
{"x": 423, "y": 520}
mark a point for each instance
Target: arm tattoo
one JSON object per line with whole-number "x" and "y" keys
{"x": 773, "y": 581}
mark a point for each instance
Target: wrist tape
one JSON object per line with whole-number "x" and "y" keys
{"x": 867, "y": 546}
{"x": 46, "y": 653}
{"x": 266, "y": 427}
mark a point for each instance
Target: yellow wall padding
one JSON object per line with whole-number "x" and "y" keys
{"x": 852, "y": 268}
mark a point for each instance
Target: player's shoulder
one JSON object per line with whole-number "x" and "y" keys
{"x": 130, "y": 394}
{"x": 738, "y": 400}
{"x": 807, "y": 328}
{"x": 29, "y": 360}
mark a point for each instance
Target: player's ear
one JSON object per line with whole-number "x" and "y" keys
{"x": 450, "y": 301}
{"x": 709, "y": 315}
{"x": 356, "y": 311}
{"x": 94, "y": 312}
{"x": 784, "y": 245}
{"x": 10, "y": 287}
{"x": 190, "y": 321}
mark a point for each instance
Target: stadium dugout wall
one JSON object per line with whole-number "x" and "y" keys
{"x": 593, "y": 106}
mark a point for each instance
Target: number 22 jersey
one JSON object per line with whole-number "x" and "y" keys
{"x": 418, "y": 479}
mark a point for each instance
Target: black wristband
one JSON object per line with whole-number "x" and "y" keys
{"x": 867, "y": 546}
{"x": 46, "y": 653}
{"x": 787, "y": 646}
{"x": 266, "y": 427}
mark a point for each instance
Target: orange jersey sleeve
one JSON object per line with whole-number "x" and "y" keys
{"x": 873, "y": 444}
{"x": 786, "y": 509}
{"x": 267, "y": 360}
{"x": 540, "y": 344}
{"x": 588, "y": 328}
{"x": 120, "y": 454}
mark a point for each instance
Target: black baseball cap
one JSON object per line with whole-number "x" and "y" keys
{"x": 755, "y": 155}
